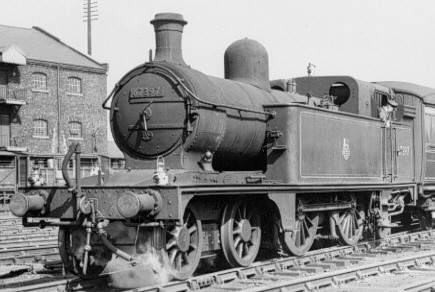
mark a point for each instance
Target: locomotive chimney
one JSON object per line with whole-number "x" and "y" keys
{"x": 169, "y": 29}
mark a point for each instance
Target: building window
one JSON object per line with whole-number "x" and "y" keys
{"x": 39, "y": 81}
{"x": 117, "y": 163}
{"x": 69, "y": 166}
{"x": 40, "y": 128}
{"x": 75, "y": 130}
{"x": 74, "y": 85}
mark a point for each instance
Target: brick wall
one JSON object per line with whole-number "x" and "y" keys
{"x": 84, "y": 108}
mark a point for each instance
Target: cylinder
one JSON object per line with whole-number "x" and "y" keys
{"x": 130, "y": 204}
{"x": 20, "y": 204}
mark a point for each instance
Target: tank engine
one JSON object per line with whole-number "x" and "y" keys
{"x": 225, "y": 167}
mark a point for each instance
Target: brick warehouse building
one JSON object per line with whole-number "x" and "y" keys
{"x": 50, "y": 96}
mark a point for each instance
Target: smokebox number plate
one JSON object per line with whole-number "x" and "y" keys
{"x": 147, "y": 92}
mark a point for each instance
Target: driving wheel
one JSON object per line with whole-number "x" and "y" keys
{"x": 299, "y": 240}
{"x": 72, "y": 242}
{"x": 240, "y": 233}
{"x": 184, "y": 245}
{"x": 351, "y": 223}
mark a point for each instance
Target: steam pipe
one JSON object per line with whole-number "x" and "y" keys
{"x": 77, "y": 190}
{"x": 110, "y": 246}
{"x": 69, "y": 154}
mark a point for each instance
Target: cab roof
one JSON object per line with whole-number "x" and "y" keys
{"x": 427, "y": 94}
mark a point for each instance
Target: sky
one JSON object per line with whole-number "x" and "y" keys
{"x": 371, "y": 40}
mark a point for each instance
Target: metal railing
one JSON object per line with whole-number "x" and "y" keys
{"x": 20, "y": 141}
{"x": 7, "y": 93}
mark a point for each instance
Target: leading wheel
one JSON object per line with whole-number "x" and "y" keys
{"x": 299, "y": 240}
{"x": 351, "y": 223}
{"x": 240, "y": 233}
{"x": 71, "y": 249}
{"x": 184, "y": 245}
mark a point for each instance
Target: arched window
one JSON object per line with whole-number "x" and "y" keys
{"x": 75, "y": 130}
{"x": 39, "y": 81}
{"x": 74, "y": 85}
{"x": 40, "y": 128}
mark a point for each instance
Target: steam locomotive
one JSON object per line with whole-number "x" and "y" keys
{"x": 226, "y": 167}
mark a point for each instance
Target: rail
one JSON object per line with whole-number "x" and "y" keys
{"x": 320, "y": 269}
{"x": 326, "y": 268}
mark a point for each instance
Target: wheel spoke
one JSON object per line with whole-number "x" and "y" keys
{"x": 237, "y": 241}
{"x": 192, "y": 247}
{"x": 351, "y": 222}
{"x": 303, "y": 235}
{"x": 244, "y": 210}
{"x": 249, "y": 216}
{"x": 170, "y": 243}
{"x": 187, "y": 215}
{"x": 307, "y": 229}
{"x": 238, "y": 216}
{"x": 237, "y": 231}
{"x": 344, "y": 225}
{"x": 178, "y": 262}
{"x": 172, "y": 255}
{"x": 298, "y": 239}
{"x": 240, "y": 233}
{"x": 240, "y": 250}
{"x": 185, "y": 258}
{"x": 246, "y": 249}
{"x": 355, "y": 224}
{"x": 349, "y": 226}
{"x": 341, "y": 218}
{"x": 192, "y": 229}
{"x": 351, "y": 229}
{"x": 308, "y": 219}
{"x": 172, "y": 232}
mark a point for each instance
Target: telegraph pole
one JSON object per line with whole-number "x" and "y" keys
{"x": 90, "y": 14}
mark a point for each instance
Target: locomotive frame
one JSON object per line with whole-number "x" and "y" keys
{"x": 242, "y": 164}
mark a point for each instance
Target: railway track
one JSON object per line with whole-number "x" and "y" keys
{"x": 20, "y": 245}
{"x": 29, "y": 254}
{"x": 347, "y": 268}
{"x": 325, "y": 270}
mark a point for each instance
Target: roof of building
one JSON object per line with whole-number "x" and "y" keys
{"x": 113, "y": 150}
{"x": 38, "y": 44}
{"x": 12, "y": 55}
